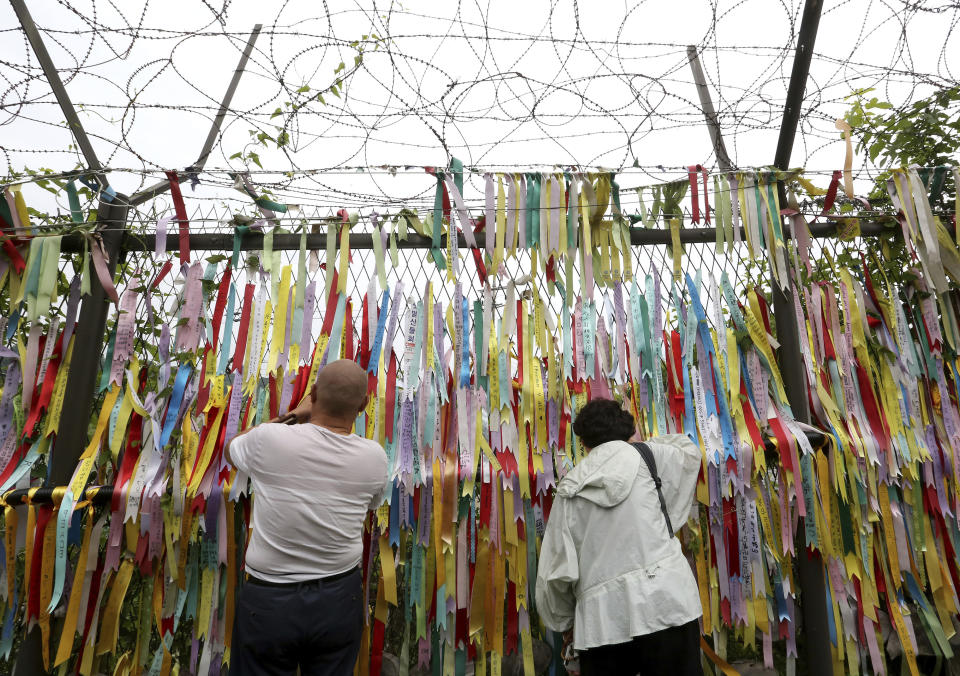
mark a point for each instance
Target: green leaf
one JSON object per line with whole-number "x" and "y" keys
{"x": 304, "y": 88}
{"x": 256, "y": 159}
{"x": 276, "y": 112}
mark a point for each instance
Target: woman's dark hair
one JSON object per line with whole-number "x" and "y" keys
{"x": 603, "y": 420}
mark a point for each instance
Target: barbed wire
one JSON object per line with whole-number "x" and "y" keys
{"x": 338, "y": 89}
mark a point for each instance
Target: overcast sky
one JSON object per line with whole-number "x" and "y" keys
{"x": 500, "y": 84}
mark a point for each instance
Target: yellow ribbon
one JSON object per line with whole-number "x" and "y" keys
{"x": 110, "y": 627}
{"x": 721, "y": 663}
{"x": 843, "y": 126}
{"x": 65, "y": 647}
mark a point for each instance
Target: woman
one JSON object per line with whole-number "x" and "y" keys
{"x": 609, "y": 568}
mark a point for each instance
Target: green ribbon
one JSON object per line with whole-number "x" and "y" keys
{"x": 238, "y": 232}
{"x": 436, "y": 249}
{"x": 615, "y": 188}
{"x": 456, "y": 168}
{"x": 75, "y": 214}
{"x": 108, "y": 360}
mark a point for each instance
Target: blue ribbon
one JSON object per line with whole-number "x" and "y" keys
{"x": 831, "y": 623}
{"x": 227, "y": 334}
{"x": 435, "y": 249}
{"x": 25, "y": 465}
{"x": 506, "y": 396}
{"x": 6, "y": 637}
{"x": 108, "y": 359}
{"x": 173, "y": 407}
{"x": 12, "y": 323}
{"x": 533, "y": 192}
{"x": 571, "y": 217}
{"x": 395, "y": 498}
{"x": 336, "y": 332}
{"x": 726, "y": 426}
{"x": 478, "y": 338}
{"x": 689, "y": 413}
{"x": 589, "y": 315}
{"x": 378, "y": 339}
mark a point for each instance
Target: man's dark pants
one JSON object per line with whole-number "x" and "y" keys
{"x": 312, "y": 625}
{"x": 670, "y": 652}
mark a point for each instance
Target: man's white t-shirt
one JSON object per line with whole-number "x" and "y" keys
{"x": 312, "y": 491}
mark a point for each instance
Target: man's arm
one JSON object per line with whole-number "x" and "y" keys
{"x": 295, "y": 415}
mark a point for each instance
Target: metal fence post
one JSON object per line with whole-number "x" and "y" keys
{"x": 810, "y": 568}
{"x": 91, "y": 324}
{"x": 713, "y": 124}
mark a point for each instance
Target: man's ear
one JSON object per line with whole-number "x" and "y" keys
{"x": 363, "y": 406}
{"x": 313, "y": 394}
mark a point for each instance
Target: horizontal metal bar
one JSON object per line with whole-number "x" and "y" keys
{"x": 98, "y": 495}
{"x": 253, "y": 241}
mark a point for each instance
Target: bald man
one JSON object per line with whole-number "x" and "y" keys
{"x": 313, "y": 483}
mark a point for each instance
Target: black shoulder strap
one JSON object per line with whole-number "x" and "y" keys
{"x": 648, "y": 458}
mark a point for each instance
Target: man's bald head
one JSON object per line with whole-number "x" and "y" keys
{"x": 340, "y": 389}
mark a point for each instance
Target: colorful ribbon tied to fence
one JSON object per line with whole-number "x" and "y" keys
{"x": 480, "y": 352}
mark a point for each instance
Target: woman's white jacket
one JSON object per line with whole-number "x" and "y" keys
{"x": 608, "y": 567}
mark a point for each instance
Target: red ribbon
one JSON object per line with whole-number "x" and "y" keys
{"x": 513, "y": 623}
{"x": 477, "y": 251}
{"x": 348, "y": 352}
{"x": 692, "y": 177}
{"x": 220, "y": 305}
{"x": 244, "y": 328}
{"x": 273, "y": 398}
{"x": 731, "y": 536}
{"x": 751, "y": 423}
{"x": 391, "y": 395}
{"x": 832, "y": 192}
{"x": 15, "y": 258}
{"x": 33, "y": 591}
{"x": 204, "y": 394}
{"x": 331, "y": 307}
{"x": 11, "y": 250}
{"x": 46, "y": 392}
{"x": 871, "y": 408}
{"x": 376, "y": 654}
{"x": 364, "y": 359}
{"x": 14, "y": 461}
{"x": 783, "y": 443}
{"x": 160, "y": 275}
{"x": 692, "y": 171}
{"x": 183, "y": 225}
{"x": 706, "y": 196}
